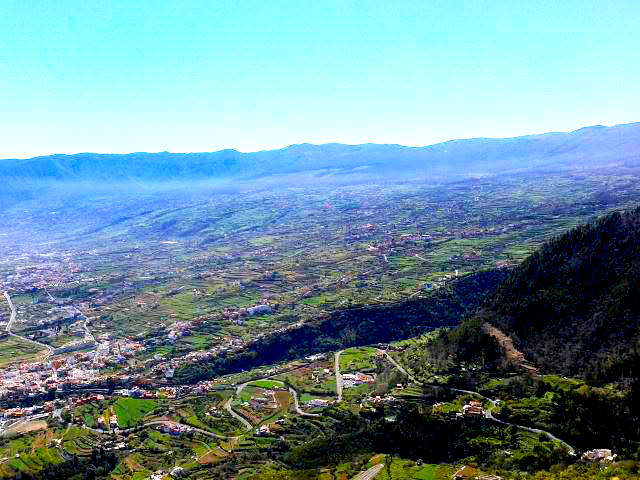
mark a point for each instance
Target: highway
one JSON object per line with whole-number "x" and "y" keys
{"x": 12, "y": 319}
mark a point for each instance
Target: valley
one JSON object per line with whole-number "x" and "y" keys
{"x": 335, "y": 331}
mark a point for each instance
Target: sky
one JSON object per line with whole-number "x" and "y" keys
{"x": 194, "y": 75}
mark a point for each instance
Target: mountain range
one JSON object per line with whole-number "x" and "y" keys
{"x": 590, "y": 147}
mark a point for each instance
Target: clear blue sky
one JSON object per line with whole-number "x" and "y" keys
{"x": 190, "y": 75}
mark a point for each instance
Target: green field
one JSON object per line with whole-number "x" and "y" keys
{"x": 13, "y": 349}
{"x": 357, "y": 359}
{"x": 131, "y": 411}
{"x": 268, "y": 383}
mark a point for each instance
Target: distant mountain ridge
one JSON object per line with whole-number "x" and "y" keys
{"x": 589, "y": 147}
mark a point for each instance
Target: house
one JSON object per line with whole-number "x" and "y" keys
{"x": 473, "y": 409}
{"x": 599, "y": 455}
{"x": 351, "y": 379}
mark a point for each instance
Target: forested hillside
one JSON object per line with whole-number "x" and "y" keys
{"x": 356, "y": 326}
{"x": 572, "y": 306}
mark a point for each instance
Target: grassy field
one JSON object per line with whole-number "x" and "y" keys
{"x": 131, "y": 411}
{"x": 357, "y": 359}
{"x": 15, "y": 350}
{"x": 268, "y": 384}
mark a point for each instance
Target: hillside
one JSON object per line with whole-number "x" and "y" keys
{"x": 363, "y": 325}
{"x": 572, "y": 306}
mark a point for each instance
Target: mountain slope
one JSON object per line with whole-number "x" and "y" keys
{"x": 573, "y": 306}
{"x": 584, "y": 148}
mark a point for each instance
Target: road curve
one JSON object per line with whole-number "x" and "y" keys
{"x": 296, "y": 405}
{"x": 396, "y": 364}
{"x": 338, "y": 376}
{"x": 12, "y": 319}
{"x": 488, "y": 413}
{"x": 240, "y": 418}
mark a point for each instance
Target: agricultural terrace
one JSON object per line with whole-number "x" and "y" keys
{"x": 260, "y": 405}
{"x": 316, "y": 378}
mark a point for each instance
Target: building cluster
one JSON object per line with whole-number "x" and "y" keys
{"x": 179, "y": 329}
{"x": 71, "y": 371}
{"x": 173, "y": 428}
{"x": 354, "y": 379}
{"x": 468, "y": 472}
{"x": 40, "y": 270}
{"x": 112, "y": 421}
{"x": 268, "y": 429}
{"x": 237, "y": 315}
{"x": 378, "y": 400}
{"x": 318, "y": 403}
{"x": 18, "y": 412}
{"x": 137, "y": 392}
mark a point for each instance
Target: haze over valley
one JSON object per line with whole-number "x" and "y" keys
{"x": 329, "y": 240}
{"x": 164, "y": 280}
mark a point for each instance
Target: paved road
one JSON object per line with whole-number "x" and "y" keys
{"x": 162, "y": 422}
{"x": 240, "y": 418}
{"x": 413, "y": 379}
{"x": 13, "y": 424}
{"x": 488, "y": 413}
{"x": 199, "y": 430}
{"x": 338, "y": 376}
{"x": 88, "y": 336}
{"x": 571, "y": 450}
{"x": 369, "y": 474}
{"x": 396, "y": 364}
{"x": 296, "y": 405}
{"x": 12, "y": 319}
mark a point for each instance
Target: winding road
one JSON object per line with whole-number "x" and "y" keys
{"x": 12, "y": 319}
{"x": 488, "y": 413}
{"x": 296, "y": 405}
{"x": 366, "y": 475}
{"x": 88, "y": 336}
{"x": 240, "y": 418}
